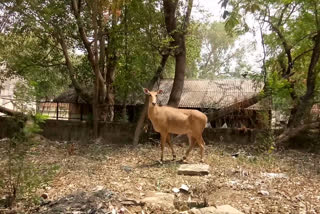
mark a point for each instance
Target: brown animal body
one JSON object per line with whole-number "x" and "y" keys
{"x": 166, "y": 120}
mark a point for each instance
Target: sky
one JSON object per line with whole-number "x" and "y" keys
{"x": 251, "y": 40}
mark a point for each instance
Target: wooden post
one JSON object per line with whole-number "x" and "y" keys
{"x": 57, "y": 111}
{"x": 81, "y": 112}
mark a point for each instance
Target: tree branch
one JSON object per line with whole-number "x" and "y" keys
{"x": 69, "y": 65}
{"x": 301, "y": 55}
{"x": 77, "y": 11}
{"x": 187, "y": 16}
{"x": 282, "y": 14}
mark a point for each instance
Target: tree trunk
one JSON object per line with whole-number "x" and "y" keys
{"x": 178, "y": 35}
{"x": 95, "y": 109}
{"x": 143, "y": 113}
{"x": 304, "y": 105}
{"x": 111, "y": 67}
{"x": 177, "y": 87}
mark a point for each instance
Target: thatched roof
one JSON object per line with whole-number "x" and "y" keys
{"x": 69, "y": 96}
{"x": 196, "y": 93}
{"x": 215, "y": 94}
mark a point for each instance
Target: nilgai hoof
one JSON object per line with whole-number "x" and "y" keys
{"x": 184, "y": 160}
{"x": 174, "y": 158}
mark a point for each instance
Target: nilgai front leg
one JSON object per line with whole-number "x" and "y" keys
{"x": 163, "y": 143}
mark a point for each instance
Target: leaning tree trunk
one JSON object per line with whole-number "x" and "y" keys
{"x": 235, "y": 107}
{"x": 10, "y": 112}
{"x": 291, "y": 132}
{"x": 143, "y": 113}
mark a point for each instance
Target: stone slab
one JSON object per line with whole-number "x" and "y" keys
{"x": 159, "y": 198}
{"x": 193, "y": 169}
{"x": 224, "y": 209}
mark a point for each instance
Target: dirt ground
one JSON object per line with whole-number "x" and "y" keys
{"x": 127, "y": 173}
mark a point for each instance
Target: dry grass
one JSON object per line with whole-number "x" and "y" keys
{"x": 130, "y": 172}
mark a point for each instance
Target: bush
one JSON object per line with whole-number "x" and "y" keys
{"x": 22, "y": 177}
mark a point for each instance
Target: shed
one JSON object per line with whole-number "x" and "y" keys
{"x": 204, "y": 95}
{"x": 79, "y": 109}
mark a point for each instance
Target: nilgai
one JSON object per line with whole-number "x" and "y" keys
{"x": 166, "y": 120}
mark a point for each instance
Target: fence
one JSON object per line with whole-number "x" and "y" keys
{"x": 64, "y": 111}
{"x": 54, "y": 110}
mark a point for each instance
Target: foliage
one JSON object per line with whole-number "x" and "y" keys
{"x": 35, "y": 61}
{"x": 194, "y": 39}
{"x": 220, "y": 56}
{"x": 142, "y": 41}
{"x": 22, "y": 177}
{"x": 291, "y": 35}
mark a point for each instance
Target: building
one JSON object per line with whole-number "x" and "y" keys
{"x": 7, "y": 94}
{"x": 204, "y": 95}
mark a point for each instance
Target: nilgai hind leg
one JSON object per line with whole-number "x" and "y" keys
{"x": 192, "y": 141}
{"x": 191, "y": 145}
{"x": 171, "y": 147}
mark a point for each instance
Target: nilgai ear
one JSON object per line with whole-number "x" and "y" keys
{"x": 146, "y": 91}
{"x": 160, "y": 91}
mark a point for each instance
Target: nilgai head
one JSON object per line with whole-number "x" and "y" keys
{"x": 152, "y": 95}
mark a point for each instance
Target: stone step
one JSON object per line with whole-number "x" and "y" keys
{"x": 193, "y": 169}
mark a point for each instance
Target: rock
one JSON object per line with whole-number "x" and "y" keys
{"x": 44, "y": 196}
{"x": 184, "y": 205}
{"x": 184, "y": 188}
{"x": 235, "y": 155}
{"x": 224, "y": 209}
{"x": 131, "y": 202}
{"x": 264, "y": 192}
{"x": 275, "y": 175}
{"x": 175, "y": 190}
{"x": 158, "y": 198}
{"x": 193, "y": 169}
{"x": 127, "y": 168}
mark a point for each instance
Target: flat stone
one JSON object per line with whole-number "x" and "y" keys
{"x": 275, "y": 175}
{"x": 193, "y": 169}
{"x": 224, "y": 209}
{"x": 159, "y": 198}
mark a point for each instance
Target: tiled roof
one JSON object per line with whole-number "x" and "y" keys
{"x": 211, "y": 93}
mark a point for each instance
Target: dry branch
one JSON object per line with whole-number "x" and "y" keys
{"x": 10, "y": 112}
